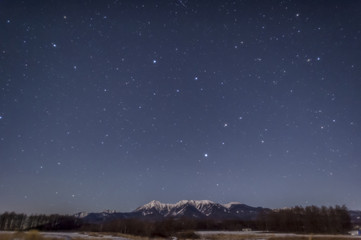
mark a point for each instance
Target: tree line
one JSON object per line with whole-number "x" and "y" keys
{"x": 309, "y": 219}
{"x": 11, "y": 221}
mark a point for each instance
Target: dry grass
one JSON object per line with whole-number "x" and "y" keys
{"x": 235, "y": 236}
{"x": 274, "y": 237}
{"x": 312, "y": 238}
{"x": 87, "y": 238}
{"x": 132, "y": 237}
{"x": 35, "y": 235}
{"x": 30, "y": 235}
{"x": 291, "y": 238}
{"x": 6, "y": 236}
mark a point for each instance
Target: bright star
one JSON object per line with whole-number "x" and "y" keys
{"x": 53, "y": 44}
{"x": 154, "y": 61}
{"x": 206, "y": 155}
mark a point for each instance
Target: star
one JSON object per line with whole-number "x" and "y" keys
{"x": 91, "y": 100}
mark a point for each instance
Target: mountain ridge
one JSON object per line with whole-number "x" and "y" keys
{"x": 196, "y": 209}
{"x": 199, "y": 209}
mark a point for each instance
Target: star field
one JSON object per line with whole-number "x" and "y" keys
{"x": 111, "y": 104}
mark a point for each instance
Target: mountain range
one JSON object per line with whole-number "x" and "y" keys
{"x": 201, "y": 209}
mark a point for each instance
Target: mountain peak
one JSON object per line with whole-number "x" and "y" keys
{"x": 152, "y": 204}
{"x": 109, "y": 211}
{"x": 228, "y": 205}
{"x": 81, "y": 214}
{"x": 194, "y": 202}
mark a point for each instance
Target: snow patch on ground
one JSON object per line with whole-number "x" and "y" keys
{"x": 69, "y": 236}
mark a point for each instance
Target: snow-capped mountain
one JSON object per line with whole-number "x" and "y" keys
{"x": 199, "y": 209}
{"x": 81, "y": 214}
{"x": 203, "y": 209}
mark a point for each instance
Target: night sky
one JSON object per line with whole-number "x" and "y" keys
{"x": 111, "y": 104}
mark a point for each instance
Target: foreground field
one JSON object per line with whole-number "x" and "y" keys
{"x": 206, "y": 235}
{"x": 219, "y": 235}
{"x": 35, "y": 235}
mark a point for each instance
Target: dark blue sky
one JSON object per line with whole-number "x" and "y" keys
{"x": 111, "y": 104}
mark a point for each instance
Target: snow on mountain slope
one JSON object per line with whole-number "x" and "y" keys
{"x": 228, "y": 205}
{"x": 176, "y": 208}
{"x": 81, "y": 214}
{"x": 199, "y": 209}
